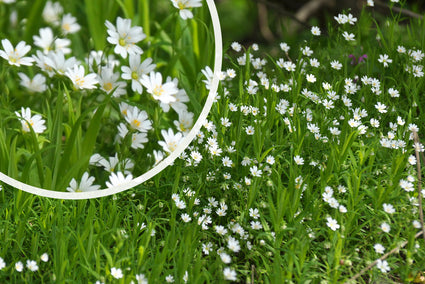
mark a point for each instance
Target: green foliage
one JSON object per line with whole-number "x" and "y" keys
{"x": 291, "y": 179}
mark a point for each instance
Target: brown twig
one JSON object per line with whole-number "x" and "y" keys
{"x": 311, "y": 7}
{"x": 418, "y": 170}
{"x": 252, "y": 273}
{"x": 399, "y": 10}
{"x": 264, "y": 22}
{"x": 370, "y": 266}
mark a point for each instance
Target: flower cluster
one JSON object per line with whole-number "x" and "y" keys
{"x": 141, "y": 102}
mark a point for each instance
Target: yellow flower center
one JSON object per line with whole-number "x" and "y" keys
{"x": 136, "y": 123}
{"x": 66, "y": 27}
{"x": 158, "y": 91}
{"x": 107, "y": 86}
{"x": 122, "y": 42}
{"x": 172, "y": 146}
{"x": 79, "y": 81}
{"x": 182, "y": 128}
{"x": 134, "y": 75}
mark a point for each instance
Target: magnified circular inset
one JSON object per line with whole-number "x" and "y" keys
{"x": 81, "y": 122}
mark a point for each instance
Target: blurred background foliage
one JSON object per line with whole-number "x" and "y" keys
{"x": 268, "y": 21}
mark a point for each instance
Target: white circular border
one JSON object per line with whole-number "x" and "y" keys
{"x": 163, "y": 164}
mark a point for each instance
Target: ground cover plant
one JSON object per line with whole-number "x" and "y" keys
{"x": 307, "y": 170}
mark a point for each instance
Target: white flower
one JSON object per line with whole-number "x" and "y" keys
{"x": 169, "y": 279}
{"x": 69, "y": 24}
{"x": 15, "y": 55}
{"x": 311, "y": 78}
{"x": 236, "y": 46}
{"x": 138, "y": 120}
{"x": 32, "y": 265}
{"x": 181, "y": 98}
{"x": 45, "y": 40}
{"x": 51, "y": 12}
{"x": 183, "y": 5}
{"x": 118, "y": 179}
{"x": 379, "y": 248}
{"x": 108, "y": 81}
{"x": 158, "y": 155}
{"x": 44, "y": 257}
{"x": 412, "y": 160}
{"x": 55, "y": 61}
{"x": 336, "y": 65}
{"x": 86, "y": 184}
{"x": 384, "y": 59}
{"x": 315, "y": 31}
{"x": 185, "y": 122}
{"x": 19, "y": 266}
{"x": 125, "y": 37}
{"x": 374, "y": 122}
{"x": 383, "y": 266}
{"x": 385, "y": 227}
{"x": 341, "y": 19}
{"x": 165, "y": 93}
{"x": 186, "y": 218}
{"x": 196, "y": 157}
{"x": 347, "y": 36}
{"x": 136, "y": 70}
{"x": 388, "y": 208}
{"x": 307, "y": 51}
{"x": 110, "y": 164}
{"x": 116, "y": 273}
{"x": 381, "y": 107}
{"x": 351, "y": 19}
{"x": 138, "y": 140}
{"x": 299, "y": 160}
{"x": 229, "y": 274}
{"x": 314, "y": 62}
{"x": 209, "y": 75}
{"x": 256, "y": 225}
{"x": 225, "y": 257}
{"x": 180, "y": 204}
{"x": 255, "y": 171}
{"x": 37, "y": 84}
{"x": 141, "y": 279}
{"x": 270, "y": 160}
{"x": 249, "y": 130}
{"x": 332, "y": 224}
{"x": 416, "y": 224}
{"x": 171, "y": 140}
{"x": 233, "y": 244}
{"x": 254, "y": 213}
{"x": 284, "y": 46}
{"x": 220, "y": 230}
{"x": 80, "y": 80}
{"x": 289, "y": 66}
{"x": 36, "y": 122}
{"x": 2, "y": 263}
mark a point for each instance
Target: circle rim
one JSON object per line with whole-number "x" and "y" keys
{"x": 164, "y": 163}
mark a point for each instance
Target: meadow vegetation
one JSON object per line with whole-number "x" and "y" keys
{"x": 307, "y": 170}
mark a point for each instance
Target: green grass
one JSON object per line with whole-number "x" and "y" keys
{"x": 345, "y": 177}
